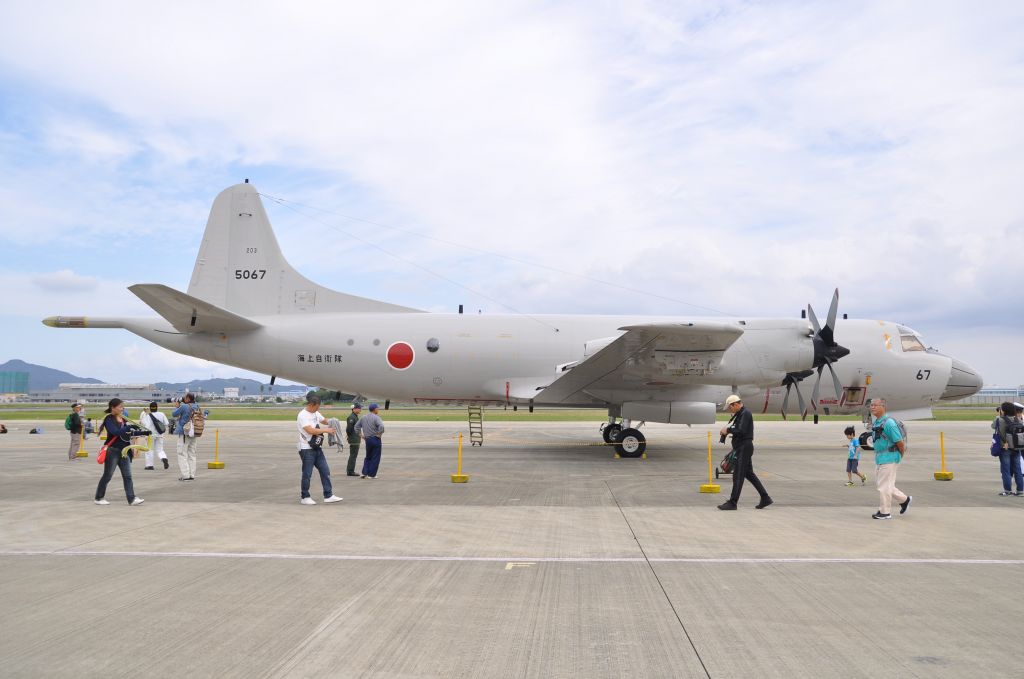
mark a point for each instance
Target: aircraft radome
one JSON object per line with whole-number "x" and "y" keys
{"x": 247, "y": 307}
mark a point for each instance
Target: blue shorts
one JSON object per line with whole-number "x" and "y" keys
{"x": 851, "y": 465}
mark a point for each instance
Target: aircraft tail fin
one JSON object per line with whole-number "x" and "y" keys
{"x": 241, "y": 268}
{"x": 188, "y": 314}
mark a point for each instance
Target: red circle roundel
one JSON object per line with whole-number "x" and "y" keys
{"x": 400, "y": 355}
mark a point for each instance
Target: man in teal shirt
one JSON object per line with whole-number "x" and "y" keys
{"x": 889, "y": 448}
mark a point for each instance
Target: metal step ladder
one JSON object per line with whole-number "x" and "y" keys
{"x": 476, "y": 425}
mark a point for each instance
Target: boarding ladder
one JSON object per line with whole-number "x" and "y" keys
{"x": 476, "y": 426}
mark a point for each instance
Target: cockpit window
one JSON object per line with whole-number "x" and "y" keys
{"x": 911, "y": 343}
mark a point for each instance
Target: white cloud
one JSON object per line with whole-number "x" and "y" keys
{"x": 66, "y": 293}
{"x": 85, "y": 139}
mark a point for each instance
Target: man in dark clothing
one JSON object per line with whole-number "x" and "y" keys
{"x": 75, "y": 427}
{"x": 741, "y": 427}
{"x": 353, "y": 438}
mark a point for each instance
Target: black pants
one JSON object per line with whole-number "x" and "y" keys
{"x": 744, "y": 470}
{"x": 353, "y": 453}
{"x": 115, "y": 461}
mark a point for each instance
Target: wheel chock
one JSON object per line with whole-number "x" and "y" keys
{"x": 460, "y": 478}
{"x": 710, "y": 488}
{"x": 943, "y": 476}
{"x": 215, "y": 465}
{"x": 81, "y": 453}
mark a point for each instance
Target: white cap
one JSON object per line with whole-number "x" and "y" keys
{"x": 732, "y": 399}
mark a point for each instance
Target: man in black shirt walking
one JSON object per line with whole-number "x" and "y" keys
{"x": 741, "y": 427}
{"x": 74, "y": 425}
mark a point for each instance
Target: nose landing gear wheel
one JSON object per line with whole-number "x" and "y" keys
{"x": 631, "y": 443}
{"x": 610, "y": 432}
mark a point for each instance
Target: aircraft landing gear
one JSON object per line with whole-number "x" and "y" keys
{"x": 610, "y": 431}
{"x": 628, "y": 441}
{"x": 631, "y": 443}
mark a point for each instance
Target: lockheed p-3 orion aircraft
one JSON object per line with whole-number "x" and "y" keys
{"x": 246, "y": 306}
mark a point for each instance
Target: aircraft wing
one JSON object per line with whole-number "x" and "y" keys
{"x": 650, "y": 354}
{"x": 190, "y": 314}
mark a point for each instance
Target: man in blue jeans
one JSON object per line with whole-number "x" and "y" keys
{"x": 311, "y": 451}
{"x": 371, "y": 428}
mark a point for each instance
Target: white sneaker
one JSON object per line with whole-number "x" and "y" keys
{"x": 307, "y": 501}
{"x": 101, "y": 502}
{"x": 137, "y": 501}
{"x": 333, "y": 498}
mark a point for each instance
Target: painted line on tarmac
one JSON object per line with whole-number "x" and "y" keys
{"x": 520, "y": 559}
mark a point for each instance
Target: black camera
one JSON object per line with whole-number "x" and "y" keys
{"x": 135, "y": 431}
{"x": 316, "y": 440}
{"x": 721, "y": 439}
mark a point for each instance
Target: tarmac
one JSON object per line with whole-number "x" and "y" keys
{"x": 555, "y": 560}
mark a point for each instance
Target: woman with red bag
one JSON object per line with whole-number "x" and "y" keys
{"x": 118, "y": 437}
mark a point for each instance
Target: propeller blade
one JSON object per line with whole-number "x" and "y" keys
{"x": 785, "y": 400}
{"x": 814, "y": 320}
{"x": 800, "y": 400}
{"x": 817, "y": 385}
{"x": 833, "y": 310}
{"x": 836, "y": 383}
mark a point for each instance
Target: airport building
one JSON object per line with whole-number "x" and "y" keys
{"x": 101, "y": 393}
{"x": 995, "y": 395}
{"x": 13, "y": 385}
{"x": 13, "y": 382}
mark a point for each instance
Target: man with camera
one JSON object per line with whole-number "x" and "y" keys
{"x": 311, "y": 439}
{"x": 889, "y": 448}
{"x": 741, "y": 427}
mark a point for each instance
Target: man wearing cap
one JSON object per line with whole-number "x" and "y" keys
{"x": 75, "y": 427}
{"x": 311, "y": 430}
{"x": 353, "y": 438}
{"x": 156, "y": 422}
{"x": 741, "y": 427}
{"x": 371, "y": 428}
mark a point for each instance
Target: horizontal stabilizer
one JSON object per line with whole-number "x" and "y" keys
{"x": 188, "y": 314}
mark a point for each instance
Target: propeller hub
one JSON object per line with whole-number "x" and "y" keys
{"x": 827, "y": 353}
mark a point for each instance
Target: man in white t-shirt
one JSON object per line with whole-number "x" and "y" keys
{"x": 156, "y": 422}
{"x": 311, "y": 451}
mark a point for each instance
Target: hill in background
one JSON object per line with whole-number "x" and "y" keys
{"x": 41, "y": 378}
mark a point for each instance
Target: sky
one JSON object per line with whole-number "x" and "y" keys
{"x": 676, "y": 158}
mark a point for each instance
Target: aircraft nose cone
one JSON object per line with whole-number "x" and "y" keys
{"x": 964, "y": 381}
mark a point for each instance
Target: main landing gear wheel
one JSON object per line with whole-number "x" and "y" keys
{"x": 610, "y": 432}
{"x": 631, "y": 443}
